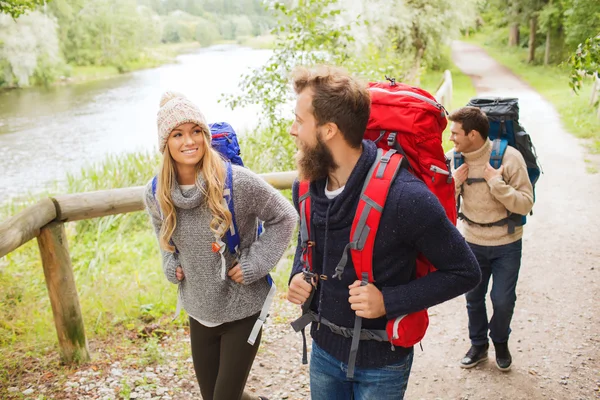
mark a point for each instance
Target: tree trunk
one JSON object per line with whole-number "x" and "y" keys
{"x": 513, "y": 35}
{"x": 532, "y": 32}
{"x": 416, "y": 75}
{"x": 547, "y": 52}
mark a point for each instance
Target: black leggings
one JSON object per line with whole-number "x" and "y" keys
{"x": 223, "y": 358}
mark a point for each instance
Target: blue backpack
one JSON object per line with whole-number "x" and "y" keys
{"x": 505, "y": 130}
{"x": 224, "y": 140}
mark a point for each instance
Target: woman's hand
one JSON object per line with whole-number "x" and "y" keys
{"x": 179, "y": 274}
{"x": 235, "y": 274}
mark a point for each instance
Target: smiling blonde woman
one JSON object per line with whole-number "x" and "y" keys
{"x": 189, "y": 217}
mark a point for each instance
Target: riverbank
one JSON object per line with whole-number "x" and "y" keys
{"x": 152, "y": 57}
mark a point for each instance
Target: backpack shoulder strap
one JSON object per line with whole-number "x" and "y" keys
{"x": 233, "y": 237}
{"x": 305, "y": 212}
{"x": 370, "y": 207}
{"x": 498, "y": 150}
{"x": 154, "y": 184}
{"x": 458, "y": 159}
{"x": 368, "y": 215}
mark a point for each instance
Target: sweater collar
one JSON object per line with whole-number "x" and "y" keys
{"x": 341, "y": 208}
{"x": 482, "y": 153}
{"x": 189, "y": 198}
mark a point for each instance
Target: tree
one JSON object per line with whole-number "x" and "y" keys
{"x": 419, "y": 31}
{"x": 585, "y": 61}
{"x": 550, "y": 19}
{"x": 16, "y": 8}
{"x": 514, "y": 33}
{"x": 582, "y": 21}
{"x": 308, "y": 33}
{"x": 27, "y": 41}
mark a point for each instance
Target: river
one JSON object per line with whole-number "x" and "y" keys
{"x": 46, "y": 133}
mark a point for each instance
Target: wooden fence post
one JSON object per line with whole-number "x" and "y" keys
{"x": 60, "y": 281}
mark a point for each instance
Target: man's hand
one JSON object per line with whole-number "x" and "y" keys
{"x": 366, "y": 301}
{"x": 179, "y": 274}
{"x": 299, "y": 289}
{"x": 490, "y": 172}
{"x": 236, "y": 275}
{"x": 461, "y": 174}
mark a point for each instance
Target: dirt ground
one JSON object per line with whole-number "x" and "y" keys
{"x": 556, "y": 329}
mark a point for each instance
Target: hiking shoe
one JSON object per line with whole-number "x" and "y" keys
{"x": 475, "y": 355}
{"x": 503, "y": 357}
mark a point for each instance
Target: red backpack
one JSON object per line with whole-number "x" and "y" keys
{"x": 406, "y": 123}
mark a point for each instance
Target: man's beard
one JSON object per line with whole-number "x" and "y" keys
{"x": 315, "y": 163}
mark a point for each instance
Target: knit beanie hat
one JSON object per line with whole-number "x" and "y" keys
{"x": 176, "y": 109}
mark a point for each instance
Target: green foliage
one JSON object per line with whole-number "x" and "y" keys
{"x": 27, "y": 43}
{"x": 582, "y": 21}
{"x": 104, "y": 32}
{"x": 176, "y": 31}
{"x": 270, "y": 148}
{"x": 16, "y": 8}
{"x": 569, "y": 22}
{"x": 207, "y": 32}
{"x": 585, "y": 61}
{"x": 307, "y": 35}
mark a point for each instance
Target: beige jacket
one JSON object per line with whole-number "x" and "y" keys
{"x": 492, "y": 201}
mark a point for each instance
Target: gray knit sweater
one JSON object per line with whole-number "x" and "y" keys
{"x": 204, "y": 294}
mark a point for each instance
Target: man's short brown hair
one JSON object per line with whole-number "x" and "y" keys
{"x": 472, "y": 118}
{"x": 337, "y": 98}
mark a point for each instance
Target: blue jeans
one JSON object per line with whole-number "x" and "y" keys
{"x": 503, "y": 263}
{"x": 328, "y": 379}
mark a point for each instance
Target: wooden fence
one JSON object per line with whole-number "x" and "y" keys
{"x": 443, "y": 93}
{"x": 595, "y": 98}
{"x": 45, "y": 221}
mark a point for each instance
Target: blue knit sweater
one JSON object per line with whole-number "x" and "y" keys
{"x": 413, "y": 221}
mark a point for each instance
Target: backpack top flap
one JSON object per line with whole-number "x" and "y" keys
{"x": 224, "y": 140}
{"x": 497, "y": 107}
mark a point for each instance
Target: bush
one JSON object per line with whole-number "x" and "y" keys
{"x": 207, "y": 32}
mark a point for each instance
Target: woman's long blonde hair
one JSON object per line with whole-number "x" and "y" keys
{"x": 212, "y": 167}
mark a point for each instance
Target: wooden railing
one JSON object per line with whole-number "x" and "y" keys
{"x": 45, "y": 221}
{"x": 443, "y": 93}
{"x": 595, "y": 98}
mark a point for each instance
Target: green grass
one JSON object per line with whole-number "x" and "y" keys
{"x": 92, "y": 72}
{"x": 115, "y": 260}
{"x": 257, "y": 42}
{"x": 552, "y": 82}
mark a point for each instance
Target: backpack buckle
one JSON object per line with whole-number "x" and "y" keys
{"x": 391, "y": 139}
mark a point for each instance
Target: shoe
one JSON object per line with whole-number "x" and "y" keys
{"x": 503, "y": 357}
{"x": 262, "y": 398}
{"x": 475, "y": 355}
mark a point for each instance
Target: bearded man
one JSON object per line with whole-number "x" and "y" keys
{"x": 332, "y": 111}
